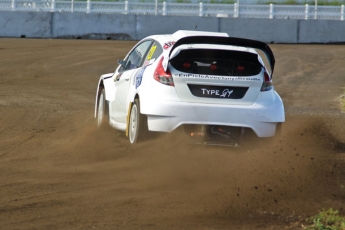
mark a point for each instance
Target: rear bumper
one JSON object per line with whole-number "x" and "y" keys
{"x": 166, "y": 116}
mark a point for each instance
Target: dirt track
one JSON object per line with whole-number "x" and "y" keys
{"x": 57, "y": 171}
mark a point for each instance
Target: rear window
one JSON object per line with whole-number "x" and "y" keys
{"x": 217, "y": 62}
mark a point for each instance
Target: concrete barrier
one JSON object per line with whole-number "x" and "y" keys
{"x": 25, "y": 24}
{"x": 148, "y": 25}
{"x": 96, "y": 26}
{"x": 136, "y": 27}
{"x": 320, "y": 31}
{"x": 266, "y": 30}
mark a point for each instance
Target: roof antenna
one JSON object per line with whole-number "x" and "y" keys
{"x": 196, "y": 26}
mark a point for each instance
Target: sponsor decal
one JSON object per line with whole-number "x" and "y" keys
{"x": 139, "y": 76}
{"x": 216, "y": 92}
{"x": 190, "y": 75}
{"x": 152, "y": 51}
{"x": 167, "y": 45}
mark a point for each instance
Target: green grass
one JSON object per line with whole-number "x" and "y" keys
{"x": 310, "y": 2}
{"x": 326, "y": 220}
{"x": 223, "y": 1}
{"x": 182, "y": 1}
{"x": 285, "y": 2}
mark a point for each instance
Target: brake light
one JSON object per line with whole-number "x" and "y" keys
{"x": 162, "y": 76}
{"x": 267, "y": 84}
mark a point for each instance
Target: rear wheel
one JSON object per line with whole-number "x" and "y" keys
{"x": 102, "y": 110}
{"x": 137, "y": 124}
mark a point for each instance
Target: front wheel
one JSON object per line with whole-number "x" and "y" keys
{"x": 137, "y": 124}
{"x": 102, "y": 110}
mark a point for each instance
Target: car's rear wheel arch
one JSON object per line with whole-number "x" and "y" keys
{"x": 136, "y": 97}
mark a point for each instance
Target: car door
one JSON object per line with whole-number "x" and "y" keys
{"x": 126, "y": 72}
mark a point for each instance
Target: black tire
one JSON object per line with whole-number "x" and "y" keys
{"x": 137, "y": 127}
{"x": 102, "y": 110}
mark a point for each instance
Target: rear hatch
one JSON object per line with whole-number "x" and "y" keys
{"x": 216, "y": 74}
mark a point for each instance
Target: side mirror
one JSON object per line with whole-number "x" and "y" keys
{"x": 121, "y": 62}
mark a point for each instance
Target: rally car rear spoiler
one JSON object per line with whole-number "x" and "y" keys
{"x": 228, "y": 41}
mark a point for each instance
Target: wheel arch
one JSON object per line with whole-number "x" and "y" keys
{"x": 105, "y": 82}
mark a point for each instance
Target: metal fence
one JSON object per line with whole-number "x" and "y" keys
{"x": 235, "y": 10}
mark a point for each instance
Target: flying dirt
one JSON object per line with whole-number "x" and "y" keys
{"x": 59, "y": 171}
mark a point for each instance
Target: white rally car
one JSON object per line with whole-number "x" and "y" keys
{"x": 213, "y": 87}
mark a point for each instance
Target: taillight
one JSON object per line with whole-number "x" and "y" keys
{"x": 162, "y": 76}
{"x": 267, "y": 84}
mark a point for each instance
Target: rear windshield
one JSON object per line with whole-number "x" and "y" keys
{"x": 217, "y": 62}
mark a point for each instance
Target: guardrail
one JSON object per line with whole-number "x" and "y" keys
{"x": 235, "y": 10}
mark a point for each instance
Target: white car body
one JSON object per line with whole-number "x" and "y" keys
{"x": 191, "y": 98}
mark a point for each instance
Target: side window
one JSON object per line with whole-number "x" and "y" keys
{"x": 155, "y": 51}
{"x": 136, "y": 57}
